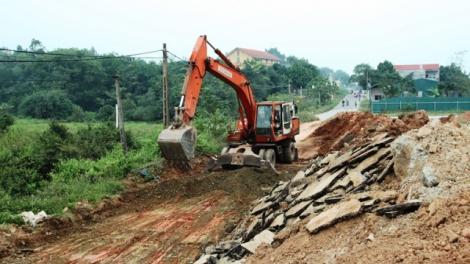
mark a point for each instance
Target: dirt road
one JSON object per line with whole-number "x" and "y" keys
{"x": 167, "y": 221}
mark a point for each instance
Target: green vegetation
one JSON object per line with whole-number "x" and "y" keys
{"x": 50, "y": 165}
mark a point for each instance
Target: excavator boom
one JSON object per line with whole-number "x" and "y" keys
{"x": 265, "y": 130}
{"x": 178, "y": 142}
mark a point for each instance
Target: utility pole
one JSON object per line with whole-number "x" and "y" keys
{"x": 288, "y": 85}
{"x": 166, "y": 108}
{"x": 120, "y": 115}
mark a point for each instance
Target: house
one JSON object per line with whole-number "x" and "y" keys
{"x": 375, "y": 93}
{"x": 422, "y": 87}
{"x": 240, "y": 55}
{"x": 420, "y": 71}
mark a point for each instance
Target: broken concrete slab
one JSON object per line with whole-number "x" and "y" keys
{"x": 253, "y": 229}
{"x": 297, "y": 209}
{"x": 383, "y": 142}
{"x": 358, "y": 157}
{"x": 385, "y": 171}
{"x": 356, "y": 177}
{"x": 343, "y": 183}
{"x": 328, "y": 159}
{"x": 279, "y": 187}
{"x": 263, "y": 206}
{"x": 267, "y": 219}
{"x": 311, "y": 209}
{"x": 298, "y": 178}
{"x": 265, "y": 236}
{"x": 279, "y": 222}
{"x": 340, "y": 161}
{"x": 333, "y": 215}
{"x": 372, "y": 160}
{"x": 402, "y": 208}
{"x": 319, "y": 188}
{"x": 383, "y": 196}
{"x": 334, "y": 199}
{"x": 319, "y": 173}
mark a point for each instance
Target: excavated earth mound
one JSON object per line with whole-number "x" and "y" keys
{"x": 355, "y": 128}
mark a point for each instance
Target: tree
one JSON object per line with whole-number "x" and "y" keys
{"x": 36, "y": 45}
{"x": 326, "y": 72}
{"x": 342, "y": 76}
{"x": 363, "y": 74}
{"x": 453, "y": 79}
{"x": 301, "y": 72}
{"x": 277, "y": 53}
{"x": 47, "y": 104}
{"x": 389, "y": 79}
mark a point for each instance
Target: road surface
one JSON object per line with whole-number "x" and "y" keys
{"x": 340, "y": 108}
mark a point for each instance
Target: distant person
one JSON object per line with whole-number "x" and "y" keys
{"x": 342, "y": 102}
{"x": 355, "y": 103}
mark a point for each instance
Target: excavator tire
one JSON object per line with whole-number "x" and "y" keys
{"x": 289, "y": 153}
{"x": 262, "y": 153}
{"x": 271, "y": 157}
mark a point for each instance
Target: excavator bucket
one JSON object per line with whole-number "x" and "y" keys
{"x": 178, "y": 144}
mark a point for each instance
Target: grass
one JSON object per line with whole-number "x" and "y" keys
{"x": 73, "y": 180}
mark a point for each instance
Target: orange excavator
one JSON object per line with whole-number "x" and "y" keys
{"x": 264, "y": 133}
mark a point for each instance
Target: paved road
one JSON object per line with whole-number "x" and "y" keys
{"x": 340, "y": 108}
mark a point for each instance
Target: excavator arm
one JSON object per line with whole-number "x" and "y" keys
{"x": 178, "y": 141}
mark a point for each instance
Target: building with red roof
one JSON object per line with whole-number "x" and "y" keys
{"x": 420, "y": 71}
{"x": 240, "y": 55}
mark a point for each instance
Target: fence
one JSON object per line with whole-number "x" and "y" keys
{"x": 427, "y": 104}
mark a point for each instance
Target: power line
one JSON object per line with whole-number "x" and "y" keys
{"x": 76, "y": 60}
{"x": 77, "y": 55}
{"x": 176, "y": 56}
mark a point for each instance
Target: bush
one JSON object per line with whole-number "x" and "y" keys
{"x": 47, "y": 104}
{"x": 307, "y": 117}
{"x": 106, "y": 113}
{"x": 17, "y": 180}
{"x": 78, "y": 115}
{"x": 408, "y": 108}
{"x": 55, "y": 145}
{"x": 94, "y": 142}
{"x": 6, "y": 120}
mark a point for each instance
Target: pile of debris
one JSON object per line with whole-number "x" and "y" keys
{"x": 373, "y": 172}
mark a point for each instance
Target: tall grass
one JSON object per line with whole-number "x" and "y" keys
{"x": 72, "y": 179}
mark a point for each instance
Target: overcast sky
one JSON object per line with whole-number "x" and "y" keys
{"x": 338, "y": 34}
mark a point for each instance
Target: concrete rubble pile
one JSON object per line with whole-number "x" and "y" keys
{"x": 385, "y": 176}
{"x": 327, "y": 191}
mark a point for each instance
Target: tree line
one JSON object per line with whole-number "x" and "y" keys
{"x": 451, "y": 79}
{"x": 77, "y": 84}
